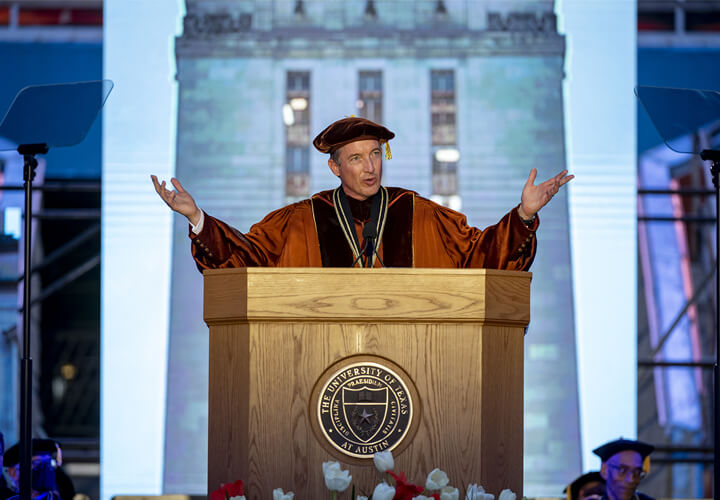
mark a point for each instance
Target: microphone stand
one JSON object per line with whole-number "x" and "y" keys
{"x": 371, "y": 250}
{"x": 369, "y": 235}
{"x": 40, "y": 116}
{"x": 28, "y": 151}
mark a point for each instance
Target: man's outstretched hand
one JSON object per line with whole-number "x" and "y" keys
{"x": 179, "y": 200}
{"x": 534, "y": 197}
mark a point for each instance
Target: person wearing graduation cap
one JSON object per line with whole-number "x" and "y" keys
{"x": 589, "y": 486}
{"x": 625, "y": 463}
{"x": 363, "y": 223}
{"x": 49, "y": 481}
{"x": 5, "y": 492}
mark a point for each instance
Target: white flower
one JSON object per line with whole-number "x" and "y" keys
{"x": 477, "y": 492}
{"x": 507, "y": 495}
{"x": 449, "y": 493}
{"x": 335, "y": 478}
{"x": 423, "y": 497}
{"x": 279, "y": 495}
{"x": 360, "y": 497}
{"x": 474, "y": 492}
{"x": 383, "y": 491}
{"x": 384, "y": 461}
{"x": 436, "y": 480}
{"x": 239, "y": 497}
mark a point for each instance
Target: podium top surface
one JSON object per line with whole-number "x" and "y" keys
{"x": 407, "y": 295}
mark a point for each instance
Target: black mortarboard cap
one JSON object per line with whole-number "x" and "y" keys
{"x": 609, "y": 449}
{"x": 573, "y": 489}
{"x": 12, "y": 454}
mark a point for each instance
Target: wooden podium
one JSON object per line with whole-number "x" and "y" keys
{"x": 457, "y": 334}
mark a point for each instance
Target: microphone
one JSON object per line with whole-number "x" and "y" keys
{"x": 369, "y": 234}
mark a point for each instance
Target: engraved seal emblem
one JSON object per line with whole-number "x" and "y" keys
{"x": 365, "y": 407}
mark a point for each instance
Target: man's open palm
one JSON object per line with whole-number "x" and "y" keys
{"x": 178, "y": 199}
{"x": 534, "y": 197}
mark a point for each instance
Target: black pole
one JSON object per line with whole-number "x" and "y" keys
{"x": 716, "y": 471}
{"x": 28, "y": 151}
{"x": 714, "y": 156}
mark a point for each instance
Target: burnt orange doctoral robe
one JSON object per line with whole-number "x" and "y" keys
{"x": 418, "y": 233}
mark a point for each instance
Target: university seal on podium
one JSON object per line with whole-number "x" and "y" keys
{"x": 364, "y": 405}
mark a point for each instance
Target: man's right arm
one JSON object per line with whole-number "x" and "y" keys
{"x": 216, "y": 244}
{"x": 219, "y": 245}
{"x": 197, "y": 228}
{"x": 178, "y": 200}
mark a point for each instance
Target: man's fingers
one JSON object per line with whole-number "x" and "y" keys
{"x": 566, "y": 179}
{"x": 177, "y": 185}
{"x": 160, "y": 188}
{"x": 559, "y": 179}
{"x": 531, "y": 178}
{"x": 156, "y": 184}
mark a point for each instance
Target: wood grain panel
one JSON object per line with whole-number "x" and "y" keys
{"x": 402, "y": 295}
{"x": 262, "y": 373}
{"x": 502, "y": 395}
{"x": 229, "y": 380}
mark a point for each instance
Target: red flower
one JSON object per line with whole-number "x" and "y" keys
{"x": 228, "y": 490}
{"x": 403, "y": 489}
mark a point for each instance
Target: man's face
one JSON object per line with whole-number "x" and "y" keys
{"x": 594, "y": 490}
{"x": 623, "y": 473}
{"x": 37, "y": 460}
{"x": 360, "y": 168}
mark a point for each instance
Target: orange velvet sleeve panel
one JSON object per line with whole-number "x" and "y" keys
{"x": 444, "y": 239}
{"x": 285, "y": 237}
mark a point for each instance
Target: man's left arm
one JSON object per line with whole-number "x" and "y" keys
{"x": 511, "y": 243}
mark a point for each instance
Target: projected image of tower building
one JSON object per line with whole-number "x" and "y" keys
{"x": 473, "y": 91}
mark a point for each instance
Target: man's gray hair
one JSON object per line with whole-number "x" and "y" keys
{"x": 335, "y": 156}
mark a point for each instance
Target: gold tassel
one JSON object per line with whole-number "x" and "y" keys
{"x": 388, "y": 154}
{"x": 646, "y": 465}
{"x": 569, "y": 492}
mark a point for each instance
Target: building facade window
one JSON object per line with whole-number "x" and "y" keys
{"x": 296, "y": 116}
{"x": 369, "y": 101}
{"x": 445, "y": 154}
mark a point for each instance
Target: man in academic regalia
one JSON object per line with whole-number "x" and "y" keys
{"x": 362, "y": 223}
{"x": 625, "y": 463}
{"x": 5, "y": 492}
{"x": 589, "y": 486}
{"x": 48, "y": 480}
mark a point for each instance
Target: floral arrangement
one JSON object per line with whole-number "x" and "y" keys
{"x": 229, "y": 491}
{"x": 394, "y": 486}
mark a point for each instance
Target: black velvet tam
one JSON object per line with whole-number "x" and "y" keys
{"x": 349, "y": 130}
